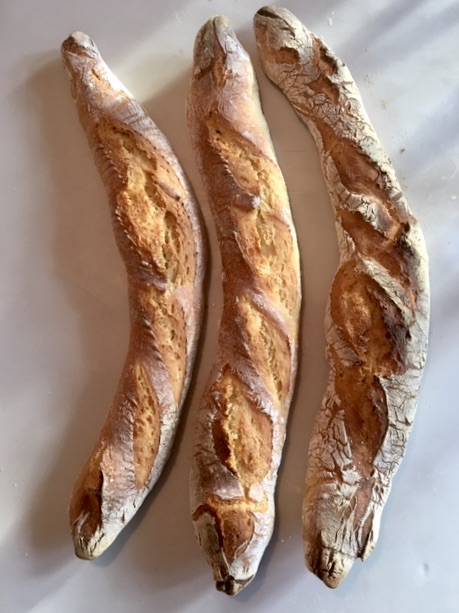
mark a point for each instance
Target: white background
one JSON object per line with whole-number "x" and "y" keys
{"x": 63, "y": 308}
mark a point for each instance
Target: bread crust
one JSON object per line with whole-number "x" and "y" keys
{"x": 241, "y": 422}
{"x": 159, "y": 233}
{"x": 378, "y": 313}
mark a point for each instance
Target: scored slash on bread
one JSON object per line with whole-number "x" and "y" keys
{"x": 378, "y": 313}
{"x": 241, "y": 422}
{"x": 159, "y": 233}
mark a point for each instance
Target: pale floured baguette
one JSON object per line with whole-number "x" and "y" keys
{"x": 378, "y": 312}
{"x": 241, "y": 422}
{"x": 159, "y": 234}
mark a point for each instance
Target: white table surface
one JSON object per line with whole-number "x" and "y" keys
{"x": 63, "y": 309}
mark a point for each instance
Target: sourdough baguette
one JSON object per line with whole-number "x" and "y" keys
{"x": 241, "y": 422}
{"x": 158, "y": 230}
{"x": 378, "y": 312}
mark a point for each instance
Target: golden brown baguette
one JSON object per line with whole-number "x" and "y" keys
{"x": 378, "y": 312}
{"x": 241, "y": 422}
{"x": 158, "y": 229}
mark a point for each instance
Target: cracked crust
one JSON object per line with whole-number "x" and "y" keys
{"x": 378, "y": 313}
{"x": 241, "y": 422}
{"x": 158, "y": 228}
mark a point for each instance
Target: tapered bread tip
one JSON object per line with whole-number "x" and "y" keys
{"x": 278, "y": 32}
{"x": 86, "y": 67}
{"x": 87, "y": 544}
{"x": 216, "y": 36}
{"x": 79, "y": 54}
{"x": 274, "y": 12}
{"x": 270, "y": 11}
{"x": 82, "y": 550}
{"x": 213, "y": 29}
{"x": 232, "y": 586}
{"x": 79, "y": 44}
{"x": 78, "y": 38}
{"x": 329, "y": 566}
{"x": 89, "y": 539}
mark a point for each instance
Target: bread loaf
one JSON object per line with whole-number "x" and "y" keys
{"x": 159, "y": 234}
{"x": 378, "y": 312}
{"x": 241, "y": 422}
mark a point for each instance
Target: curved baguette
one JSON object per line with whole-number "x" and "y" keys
{"x": 159, "y": 234}
{"x": 378, "y": 312}
{"x": 241, "y": 422}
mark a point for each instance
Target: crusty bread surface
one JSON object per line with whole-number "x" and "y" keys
{"x": 241, "y": 422}
{"x": 159, "y": 233}
{"x": 378, "y": 311}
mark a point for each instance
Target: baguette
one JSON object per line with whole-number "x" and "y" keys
{"x": 241, "y": 422}
{"x": 159, "y": 234}
{"x": 378, "y": 312}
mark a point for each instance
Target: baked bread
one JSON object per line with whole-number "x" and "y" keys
{"x": 158, "y": 230}
{"x": 241, "y": 422}
{"x": 378, "y": 312}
